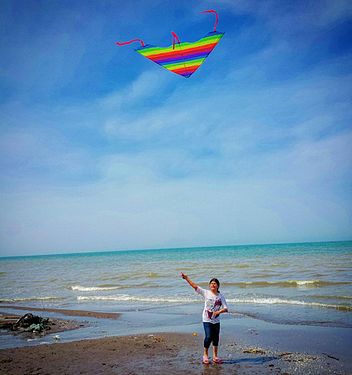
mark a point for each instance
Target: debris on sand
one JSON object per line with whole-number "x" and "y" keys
{"x": 254, "y": 351}
{"x": 30, "y": 325}
{"x": 331, "y": 356}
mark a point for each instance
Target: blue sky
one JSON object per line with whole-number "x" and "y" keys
{"x": 102, "y": 149}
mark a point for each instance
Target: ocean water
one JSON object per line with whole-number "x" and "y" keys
{"x": 300, "y": 284}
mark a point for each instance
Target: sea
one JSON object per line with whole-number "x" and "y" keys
{"x": 292, "y": 284}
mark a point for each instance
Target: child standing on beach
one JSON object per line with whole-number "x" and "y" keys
{"x": 214, "y": 305}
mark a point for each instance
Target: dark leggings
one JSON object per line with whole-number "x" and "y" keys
{"x": 212, "y": 332}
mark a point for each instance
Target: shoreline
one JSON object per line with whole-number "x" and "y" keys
{"x": 161, "y": 353}
{"x": 68, "y": 312}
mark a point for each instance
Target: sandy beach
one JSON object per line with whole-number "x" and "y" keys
{"x": 157, "y": 354}
{"x": 164, "y": 353}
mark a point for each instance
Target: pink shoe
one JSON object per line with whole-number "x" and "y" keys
{"x": 205, "y": 360}
{"x": 217, "y": 360}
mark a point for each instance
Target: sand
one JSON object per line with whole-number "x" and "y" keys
{"x": 156, "y": 354}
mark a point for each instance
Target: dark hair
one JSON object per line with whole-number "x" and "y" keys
{"x": 216, "y": 281}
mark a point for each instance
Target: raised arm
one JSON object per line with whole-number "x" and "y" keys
{"x": 190, "y": 282}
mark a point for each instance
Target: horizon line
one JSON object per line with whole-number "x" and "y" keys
{"x": 168, "y": 248}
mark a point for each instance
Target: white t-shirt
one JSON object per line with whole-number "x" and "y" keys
{"x": 212, "y": 303}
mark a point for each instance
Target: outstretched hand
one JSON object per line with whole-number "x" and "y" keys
{"x": 190, "y": 282}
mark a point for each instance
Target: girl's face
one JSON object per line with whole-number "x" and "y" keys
{"x": 213, "y": 286}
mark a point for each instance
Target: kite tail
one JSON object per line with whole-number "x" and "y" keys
{"x": 131, "y": 41}
{"x": 216, "y": 17}
{"x": 175, "y": 39}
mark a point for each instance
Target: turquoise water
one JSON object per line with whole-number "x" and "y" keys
{"x": 304, "y": 284}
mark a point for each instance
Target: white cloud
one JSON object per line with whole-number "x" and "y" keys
{"x": 149, "y": 212}
{"x": 146, "y": 85}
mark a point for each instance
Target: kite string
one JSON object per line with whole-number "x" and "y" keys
{"x": 131, "y": 41}
{"x": 216, "y": 17}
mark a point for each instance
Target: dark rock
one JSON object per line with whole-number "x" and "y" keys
{"x": 31, "y": 323}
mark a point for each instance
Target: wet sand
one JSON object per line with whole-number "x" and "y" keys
{"x": 158, "y": 354}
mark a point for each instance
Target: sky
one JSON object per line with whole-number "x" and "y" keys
{"x": 101, "y": 149}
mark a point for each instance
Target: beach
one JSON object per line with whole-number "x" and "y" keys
{"x": 261, "y": 349}
{"x": 289, "y": 310}
{"x": 160, "y": 354}
{"x": 156, "y": 354}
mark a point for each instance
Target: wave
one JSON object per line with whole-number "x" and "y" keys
{"x": 183, "y": 300}
{"x": 104, "y": 287}
{"x": 241, "y": 265}
{"x": 287, "y": 283}
{"x": 331, "y": 297}
{"x": 129, "y": 298}
{"x": 24, "y": 299}
{"x": 280, "y": 301}
{"x": 154, "y": 275}
{"x": 80, "y": 288}
{"x": 134, "y": 276}
{"x": 278, "y": 265}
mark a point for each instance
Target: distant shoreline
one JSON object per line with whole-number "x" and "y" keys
{"x": 107, "y": 252}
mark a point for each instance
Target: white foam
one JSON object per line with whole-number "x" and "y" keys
{"x": 305, "y": 282}
{"x": 126, "y": 297}
{"x": 287, "y": 283}
{"x": 80, "y": 288}
{"x": 281, "y": 301}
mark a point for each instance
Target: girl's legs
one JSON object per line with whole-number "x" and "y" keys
{"x": 212, "y": 332}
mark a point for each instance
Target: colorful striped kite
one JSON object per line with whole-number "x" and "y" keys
{"x": 181, "y": 58}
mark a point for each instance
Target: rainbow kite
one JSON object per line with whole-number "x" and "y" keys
{"x": 182, "y": 58}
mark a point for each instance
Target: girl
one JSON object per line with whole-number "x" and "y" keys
{"x": 214, "y": 305}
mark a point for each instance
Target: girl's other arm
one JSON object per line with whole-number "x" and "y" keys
{"x": 224, "y": 310}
